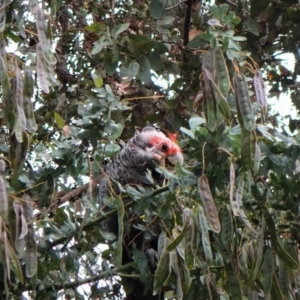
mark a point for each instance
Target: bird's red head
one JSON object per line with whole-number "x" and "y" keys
{"x": 165, "y": 145}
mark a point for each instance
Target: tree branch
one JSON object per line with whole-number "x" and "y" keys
{"x": 63, "y": 197}
{"x": 78, "y": 282}
{"x": 97, "y": 220}
{"x": 187, "y": 20}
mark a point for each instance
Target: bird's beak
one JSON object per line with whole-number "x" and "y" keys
{"x": 177, "y": 158}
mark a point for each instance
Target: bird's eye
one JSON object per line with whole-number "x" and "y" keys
{"x": 164, "y": 147}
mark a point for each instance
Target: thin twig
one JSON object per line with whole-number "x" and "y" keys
{"x": 232, "y": 3}
{"x": 145, "y": 97}
{"x": 203, "y": 158}
{"x": 171, "y": 7}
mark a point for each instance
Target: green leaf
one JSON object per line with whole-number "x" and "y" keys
{"x": 155, "y": 62}
{"x": 110, "y": 67}
{"x": 229, "y": 33}
{"x": 111, "y": 149}
{"x": 129, "y": 72}
{"x": 280, "y": 251}
{"x": 145, "y": 71}
{"x": 160, "y": 48}
{"x": 253, "y": 26}
{"x": 117, "y": 30}
{"x": 197, "y": 42}
{"x": 60, "y": 122}
{"x": 187, "y": 132}
{"x": 239, "y": 38}
{"x": 166, "y": 21}
{"x": 99, "y": 45}
{"x": 117, "y": 130}
{"x": 98, "y": 81}
{"x": 284, "y": 281}
{"x": 156, "y": 9}
{"x": 96, "y": 27}
{"x": 139, "y": 45}
{"x": 264, "y": 130}
{"x": 196, "y": 121}
{"x": 178, "y": 238}
{"x": 268, "y": 269}
{"x": 233, "y": 282}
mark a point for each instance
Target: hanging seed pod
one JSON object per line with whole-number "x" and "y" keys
{"x": 9, "y": 100}
{"x": 209, "y": 106}
{"x": 259, "y": 87}
{"x": 174, "y": 262}
{"x": 3, "y": 195}
{"x": 227, "y": 229}
{"x": 205, "y": 237}
{"x": 31, "y": 126}
{"x": 233, "y": 203}
{"x": 259, "y": 253}
{"x": 246, "y": 149}
{"x": 18, "y": 152}
{"x": 239, "y": 205}
{"x": 222, "y": 82}
{"x": 27, "y": 208}
{"x": 21, "y": 227}
{"x": 41, "y": 28}
{"x": 30, "y": 254}
{"x": 6, "y": 254}
{"x": 257, "y": 158}
{"x": 162, "y": 269}
{"x": 188, "y": 238}
{"x": 40, "y": 69}
{"x": 2, "y": 19}
{"x": 208, "y": 204}
{"x": 19, "y": 101}
{"x": 208, "y": 61}
{"x": 178, "y": 239}
{"x": 222, "y": 75}
{"x": 216, "y": 95}
{"x": 2, "y": 166}
{"x": 4, "y": 76}
{"x": 49, "y": 57}
{"x": 243, "y": 103}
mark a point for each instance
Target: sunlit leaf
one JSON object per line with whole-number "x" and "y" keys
{"x": 98, "y": 81}
{"x": 129, "y": 72}
{"x": 96, "y": 27}
{"x": 59, "y": 120}
{"x": 117, "y": 30}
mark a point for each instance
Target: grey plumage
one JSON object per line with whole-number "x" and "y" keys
{"x": 141, "y": 154}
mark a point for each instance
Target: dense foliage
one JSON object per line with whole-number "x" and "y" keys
{"x": 84, "y": 77}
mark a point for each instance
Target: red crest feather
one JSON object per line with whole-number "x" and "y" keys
{"x": 172, "y": 136}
